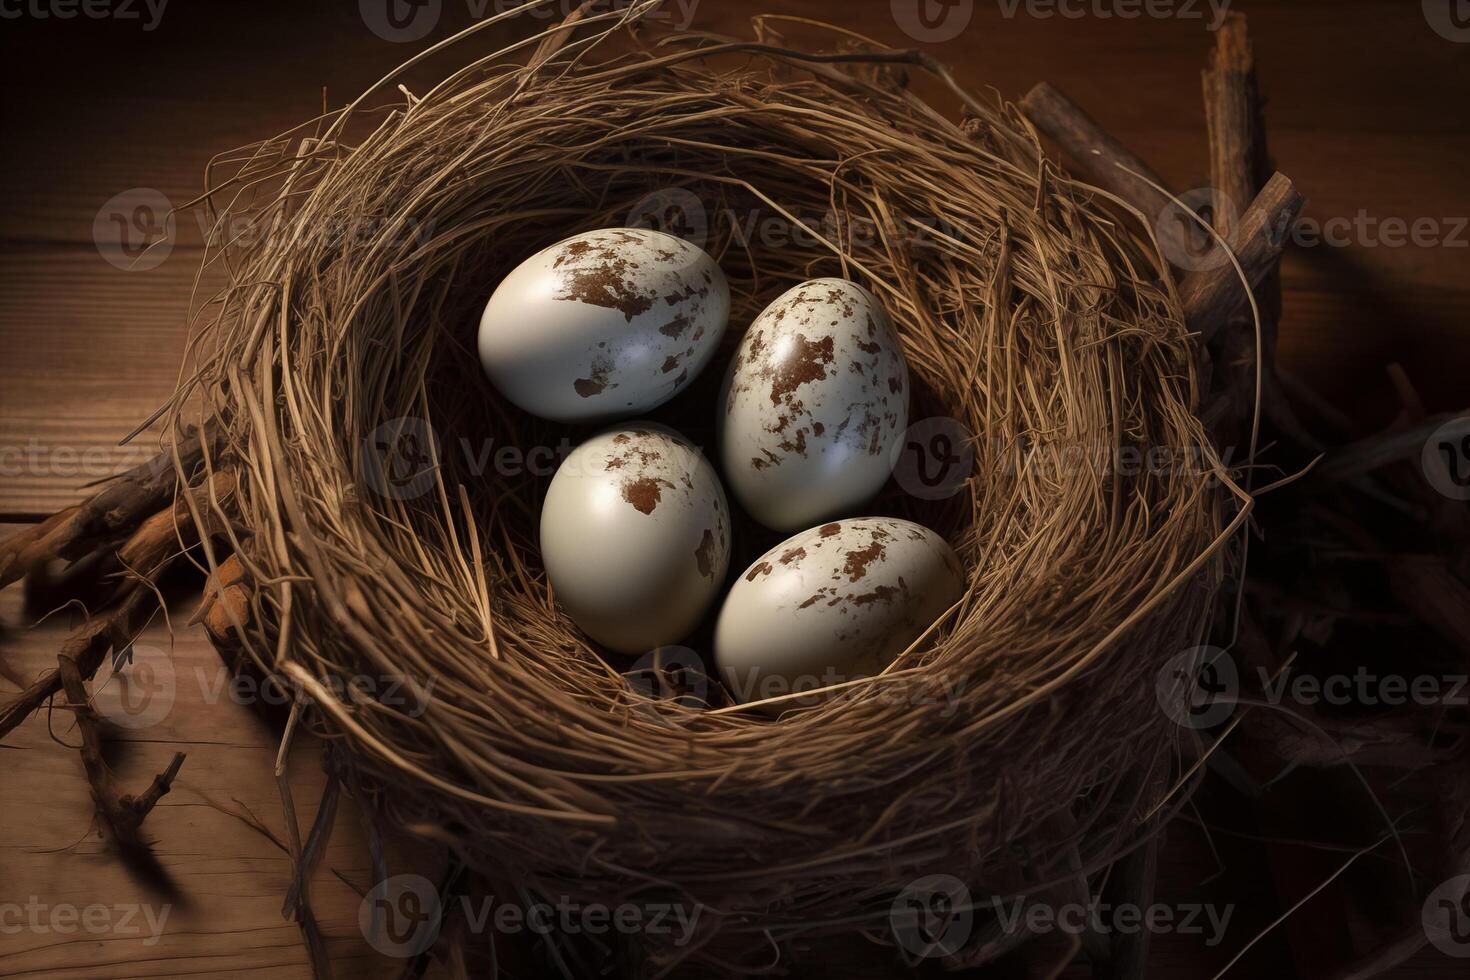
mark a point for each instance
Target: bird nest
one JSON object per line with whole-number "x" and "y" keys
{"x": 387, "y": 532}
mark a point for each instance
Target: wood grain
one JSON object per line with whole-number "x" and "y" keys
{"x": 226, "y": 917}
{"x": 1366, "y": 114}
{"x": 1363, "y": 112}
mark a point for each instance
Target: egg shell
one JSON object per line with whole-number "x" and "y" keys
{"x": 831, "y": 604}
{"x": 635, "y": 536}
{"x": 814, "y": 401}
{"x": 603, "y": 325}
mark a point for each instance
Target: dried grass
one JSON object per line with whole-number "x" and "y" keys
{"x": 1044, "y": 323}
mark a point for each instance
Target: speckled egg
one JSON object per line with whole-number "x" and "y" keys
{"x": 603, "y": 325}
{"x": 815, "y": 399}
{"x": 831, "y": 604}
{"x": 635, "y": 536}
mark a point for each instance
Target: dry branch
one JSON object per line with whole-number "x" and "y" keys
{"x": 1239, "y": 162}
{"x": 1211, "y": 296}
{"x": 1098, "y": 157}
{"x": 86, "y": 647}
{"x": 1359, "y": 458}
{"x": 113, "y": 511}
{"x": 121, "y": 812}
{"x": 153, "y": 546}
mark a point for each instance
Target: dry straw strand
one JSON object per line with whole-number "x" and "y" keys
{"x": 1028, "y": 310}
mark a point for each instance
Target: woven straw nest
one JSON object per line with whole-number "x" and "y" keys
{"x": 1021, "y": 736}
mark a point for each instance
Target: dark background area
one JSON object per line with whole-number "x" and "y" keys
{"x": 1368, "y": 111}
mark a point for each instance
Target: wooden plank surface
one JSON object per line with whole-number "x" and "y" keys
{"x": 231, "y": 880}
{"x": 1366, "y": 113}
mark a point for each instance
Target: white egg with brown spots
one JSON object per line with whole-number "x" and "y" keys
{"x": 832, "y": 604}
{"x": 814, "y": 401}
{"x": 635, "y": 537}
{"x": 603, "y": 325}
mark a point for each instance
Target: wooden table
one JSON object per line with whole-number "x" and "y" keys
{"x": 1367, "y": 113}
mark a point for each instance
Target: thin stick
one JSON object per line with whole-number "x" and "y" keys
{"x": 123, "y": 814}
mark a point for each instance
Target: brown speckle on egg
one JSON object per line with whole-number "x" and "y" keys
{"x": 644, "y": 493}
{"x": 858, "y": 561}
{"x": 704, "y": 554}
{"x": 757, "y": 570}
